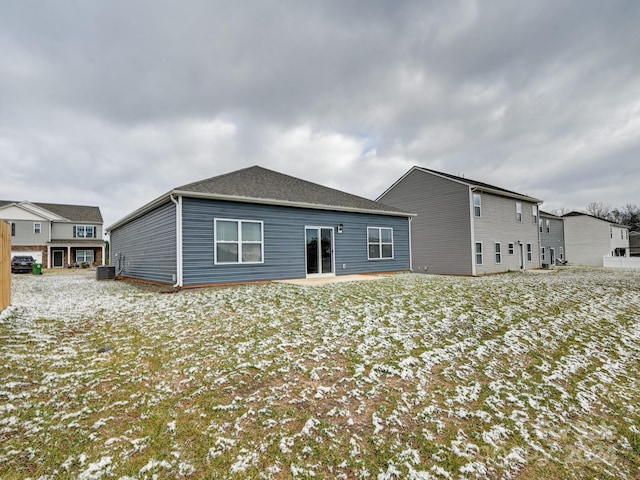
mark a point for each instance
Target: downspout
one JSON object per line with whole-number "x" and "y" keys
{"x": 410, "y": 249}
{"x": 473, "y": 232}
{"x": 178, "y": 203}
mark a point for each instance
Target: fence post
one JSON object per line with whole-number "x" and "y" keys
{"x": 5, "y": 265}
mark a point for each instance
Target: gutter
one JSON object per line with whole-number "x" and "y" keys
{"x": 178, "y": 203}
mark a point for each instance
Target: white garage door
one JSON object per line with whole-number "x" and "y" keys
{"x": 36, "y": 255}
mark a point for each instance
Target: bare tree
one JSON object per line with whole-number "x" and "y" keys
{"x": 558, "y": 212}
{"x": 600, "y": 210}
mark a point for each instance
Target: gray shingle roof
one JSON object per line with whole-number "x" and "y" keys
{"x": 480, "y": 185}
{"x": 74, "y": 213}
{"x": 260, "y": 184}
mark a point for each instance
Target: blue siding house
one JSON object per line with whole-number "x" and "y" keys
{"x": 255, "y": 224}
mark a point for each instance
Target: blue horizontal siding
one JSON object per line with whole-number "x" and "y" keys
{"x": 148, "y": 245}
{"x": 284, "y": 241}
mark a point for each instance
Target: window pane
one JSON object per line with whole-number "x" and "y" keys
{"x": 374, "y": 251}
{"x": 387, "y": 235}
{"x": 251, "y": 232}
{"x": 227, "y": 231}
{"x": 387, "y": 251}
{"x": 227, "y": 252}
{"x": 80, "y": 231}
{"x": 374, "y": 234}
{"x": 251, "y": 252}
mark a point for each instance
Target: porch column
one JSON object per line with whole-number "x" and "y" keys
{"x": 69, "y": 255}
{"x": 103, "y": 255}
{"x": 48, "y": 256}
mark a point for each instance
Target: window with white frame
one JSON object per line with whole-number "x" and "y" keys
{"x": 478, "y": 253}
{"x": 542, "y": 254}
{"x": 84, "y": 256}
{"x": 84, "y": 231}
{"x": 498, "y": 250}
{"x": 622, "y": 234}
{"x": 534, "y": 212}
{"x": 561, "y": 253}
{"x": 510, "y": 248}
{"x": 518, "y": 212}
{"x": 548, "y": 226}
{"x": 540, "y": 225}
{"x": 238, "y": 241}
{"x": 13, "y": 229}
{"x": 380, "y": 242}
{"x": 529, "y": 253}
{"x": 477, "y": 205}
{"x": 37, "y": 228}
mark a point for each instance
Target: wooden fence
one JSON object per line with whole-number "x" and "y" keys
{"x": 5, "y": 265}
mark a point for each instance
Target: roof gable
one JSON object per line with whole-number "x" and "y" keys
{"x": 59, "y": 212}
{"x": 481, "y": 185}
{"x": 258, "y": 184}
{"x": 582, "y": 214}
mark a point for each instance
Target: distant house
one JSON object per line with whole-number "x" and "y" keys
{"x": 55, "y": 235}
{"x": 255, "y": 224}
{"x": 589, "y": 239}
{"x": 634, "y": 244}
{"x": 464, "y": 226}
{"x": 552, "y": 245}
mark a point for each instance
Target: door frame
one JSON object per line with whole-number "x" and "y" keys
{"x": 333, "y": 251}
{"x": 552, "y": 256}
{"x": 53, "y": 257}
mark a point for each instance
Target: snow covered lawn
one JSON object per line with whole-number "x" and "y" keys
{"x": 520, "y": 375}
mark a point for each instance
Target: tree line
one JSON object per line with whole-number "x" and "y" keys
{"x": 628, "y": 215}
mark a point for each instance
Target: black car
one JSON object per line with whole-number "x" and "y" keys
{"x": 22, "y": 263}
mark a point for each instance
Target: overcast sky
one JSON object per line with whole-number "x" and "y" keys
{"x": 113, "y": 103}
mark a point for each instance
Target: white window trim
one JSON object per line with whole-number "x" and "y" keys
{"x": 529, "y": 252}
{"x": 498, "y": 253}
{"x": 84, "y": 254}
{"x": 543, "y": 257}
{"x": 239, "y": 242}
{"x": 84, "y": 231}
{"x": 511, "y": 248}
{"x": 380, "y": 243}
{"x": 481, "y": 253}
{"x": 548, "y": 226}
{"x": 518, "y": 212}
{"x": 37, "y": 231}
{"x": 534, "y": 212}
{"x": 477, "y": 195}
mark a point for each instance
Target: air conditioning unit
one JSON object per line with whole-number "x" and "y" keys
{"x": 105, "y": 272}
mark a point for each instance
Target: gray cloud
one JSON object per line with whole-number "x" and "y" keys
{"x": 113, "y": 103}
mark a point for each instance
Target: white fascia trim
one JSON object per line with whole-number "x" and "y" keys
{"x": 31, "y": 208}
{"x": 285, "y": 203}
{"x": 141, "y": 211}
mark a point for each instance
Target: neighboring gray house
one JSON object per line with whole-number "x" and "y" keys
{"x": 552, "y": 246}
{"x": 56, "y": 235}
{"x": 466, "y": 227}
{"x": 634, "y": 244}
{"x": 255, "y": 224}
{"x": 589, "y": 239}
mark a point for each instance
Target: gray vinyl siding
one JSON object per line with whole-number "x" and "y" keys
{"x": 24, "y": 233}
{"x": 284, "y": 241}
{"x": 64, "y": 230}
{"x": 554, "y": 239}
{"x": 497, "y": 224}
{"x": 441, "y": 231}
{"x": 145, "y": 248}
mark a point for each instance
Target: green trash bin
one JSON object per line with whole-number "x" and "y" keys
{"x": 36, "y": 269}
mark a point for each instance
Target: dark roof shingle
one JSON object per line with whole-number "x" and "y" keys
{"x": 258, "y": 183}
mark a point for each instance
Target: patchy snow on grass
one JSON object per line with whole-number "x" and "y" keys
{"x": 412, "y": 376}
